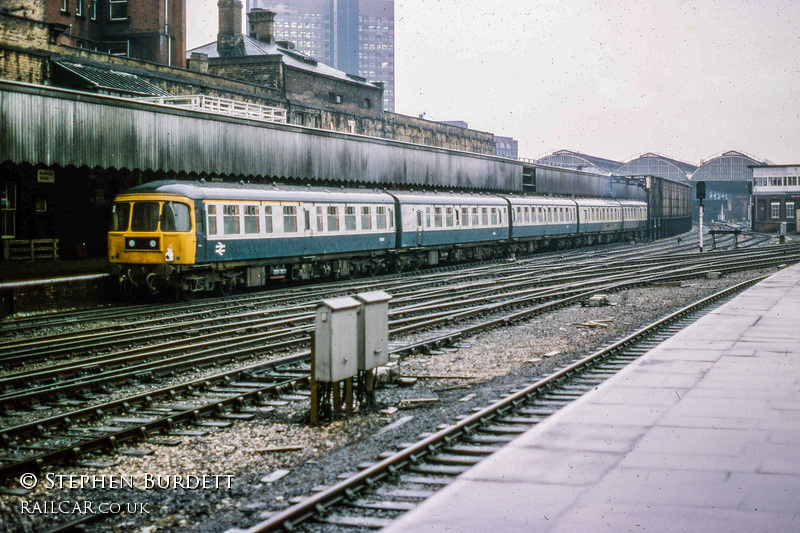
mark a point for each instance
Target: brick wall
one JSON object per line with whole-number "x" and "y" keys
{"x": 309, "y": 89}
{"x": 42, "y": 297}
{"x": 261, "y": 70}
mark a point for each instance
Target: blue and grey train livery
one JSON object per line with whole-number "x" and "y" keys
{"x": 194, "y": 236}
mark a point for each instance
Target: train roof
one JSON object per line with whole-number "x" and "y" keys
{"x": 411, "y": 197}
{"x": 198, "y": 190}
{"x": 597, "y": 202}
{"x": 539, "y": 200}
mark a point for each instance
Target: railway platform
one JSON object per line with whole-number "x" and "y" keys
{"x": 702, "y": 433}
{"x": 33, "y": 286}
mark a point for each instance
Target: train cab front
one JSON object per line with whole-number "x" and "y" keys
{"x": 150, "y": 241}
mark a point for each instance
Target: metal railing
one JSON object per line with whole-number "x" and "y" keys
{"x": 221, "y": 106}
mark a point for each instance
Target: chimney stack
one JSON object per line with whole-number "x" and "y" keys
{"x": 261, "y": 25}
{"x": 198, "y": 62}
{"x": 230, "y": 24}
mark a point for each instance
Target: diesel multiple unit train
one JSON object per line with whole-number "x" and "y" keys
{"x": 195, "y": 236}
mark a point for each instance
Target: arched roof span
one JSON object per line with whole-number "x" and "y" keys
{"x": 727, "y": 166}
{"x": 653, "y": 164}
{"x": 579, "y": 161}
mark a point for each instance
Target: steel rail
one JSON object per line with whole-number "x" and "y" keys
{"x": 349, "y": 488}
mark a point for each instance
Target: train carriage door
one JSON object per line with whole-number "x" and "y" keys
{"x": 418, "y": 222}
{"x": 308, "y": 216}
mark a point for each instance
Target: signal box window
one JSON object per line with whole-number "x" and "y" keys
{"x": 118, "y": 9}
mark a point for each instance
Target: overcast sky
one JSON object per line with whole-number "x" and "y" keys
{"x": 687, "y": 79}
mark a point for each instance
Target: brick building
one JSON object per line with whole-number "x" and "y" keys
{"x": 311, "y": 86}
{"x": 356, "y": 36}
{"x": 152, "y": 30}
{"x": 776, "y": 197}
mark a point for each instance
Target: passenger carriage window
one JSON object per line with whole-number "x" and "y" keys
{"x": 212, "y": 219}
{"x": 484, "y": 216}
{"x": 290, "y": 219}
{"x": 333, "y": 218}
{"x": 251, "y": 224}
{"x": 120, "y": 216}
{"x": 437, "y": 217}
{"x": 448, "y": 217}
{"x": 230, "y": 219}
{"x": 145, "y": 216}
{"x": 380, "y": 218}
{"x": 428, "y": 217}
{"x": 465, "y": 216}
{"x": 366, "y": 218}
{"x": 391, "y": 218}
{"x": 268, "y": 219}
{"x": 419, "y": 219}
{"x": 306, "y": 220}
{"x": 350, "y": 218}
{"x": 475, "y": 216}
{"x": 494, "y": 217}
{"x": 320, "y": 219}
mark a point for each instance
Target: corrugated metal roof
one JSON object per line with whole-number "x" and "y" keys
{"x": 75, "y": 128}
{"x": 292, "y": 58}
{"x": 111, "y": 80}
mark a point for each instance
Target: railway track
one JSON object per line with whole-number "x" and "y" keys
{"x": 398, "y": 481}
{"x": 220, "y": 398}
{"x": 243, "y": 336}
{"x": 113, "y": 318}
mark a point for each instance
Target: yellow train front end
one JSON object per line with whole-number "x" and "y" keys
{"x": 151, "y": 239}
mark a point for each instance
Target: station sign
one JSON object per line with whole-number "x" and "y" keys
{"x": 46, "y": 176}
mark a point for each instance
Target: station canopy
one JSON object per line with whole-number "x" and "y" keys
{"x": 727, "y": 166}
{"x": 579, "y": 161}
{"x": 652, "y": 164}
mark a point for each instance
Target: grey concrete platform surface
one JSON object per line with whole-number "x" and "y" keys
{"x": 700, "y": 434}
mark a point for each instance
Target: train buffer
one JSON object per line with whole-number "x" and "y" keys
{"x": 715, "y": 232}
